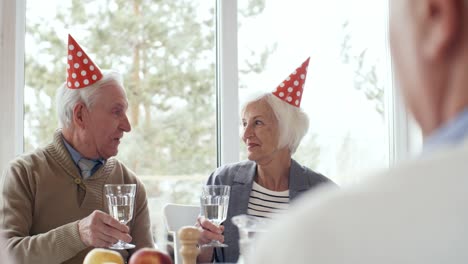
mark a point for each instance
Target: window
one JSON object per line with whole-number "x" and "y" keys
{"x": 348, "y": 76}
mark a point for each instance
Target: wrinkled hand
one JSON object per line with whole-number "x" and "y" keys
{"x": 101, "y": 230}
{"x": 209, "y": 231}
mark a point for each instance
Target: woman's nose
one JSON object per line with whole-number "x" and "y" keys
{"x": 247, "y": 132}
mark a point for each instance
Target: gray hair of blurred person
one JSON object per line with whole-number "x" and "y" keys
{"x": 67, "y": 98}
{"x": 293, "y": 122}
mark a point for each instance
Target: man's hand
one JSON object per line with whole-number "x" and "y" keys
{"x": 101, "y": 230}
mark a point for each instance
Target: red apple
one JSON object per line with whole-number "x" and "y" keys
{"x": 149, "y": 256}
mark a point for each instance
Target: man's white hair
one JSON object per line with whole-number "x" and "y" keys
{"x": 67, "y": 98}
{"x": 293, "y": 122}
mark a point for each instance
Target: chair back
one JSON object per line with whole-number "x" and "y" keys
{"x": 177, "y": 216}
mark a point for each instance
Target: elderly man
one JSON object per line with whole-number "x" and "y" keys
{"x": 53, "y": 206}
{"x": 418, "y": 211}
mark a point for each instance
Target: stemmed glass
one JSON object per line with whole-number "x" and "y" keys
{"x": 214, "y": 202}
{"x": 121, "y": 199}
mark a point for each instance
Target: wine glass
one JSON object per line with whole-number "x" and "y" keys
{"x": 121, "y": 199}
{"x": 214, "y": 202}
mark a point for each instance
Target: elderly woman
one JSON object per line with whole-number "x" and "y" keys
{"x": 263, "y": 186}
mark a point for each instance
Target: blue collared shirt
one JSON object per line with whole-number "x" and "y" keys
{"x": 452, "y": 133}
{"x": 76, "y": 156}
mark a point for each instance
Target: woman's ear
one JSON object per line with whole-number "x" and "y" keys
{"x": 442, "y": 23}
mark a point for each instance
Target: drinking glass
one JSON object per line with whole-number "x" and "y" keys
{"x": 214, "y": 202}
{"x": 121, "y": 199}
{"x": 249, "y": 227}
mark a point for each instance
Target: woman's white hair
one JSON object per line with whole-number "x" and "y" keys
{"x": 67, "y": 98}
{"x": 293, "y": 122}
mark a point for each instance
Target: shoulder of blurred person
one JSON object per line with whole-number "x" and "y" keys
{"x": 413, "y": 213}
{"x": 4, "y": 254}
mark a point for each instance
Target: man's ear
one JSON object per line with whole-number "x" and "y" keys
{"x": 79, "y": 112}
{"x": 441, "y": 27}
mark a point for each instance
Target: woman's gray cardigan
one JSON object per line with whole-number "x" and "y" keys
{"x": 240, "y": 177}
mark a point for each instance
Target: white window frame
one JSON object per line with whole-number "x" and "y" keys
{"x": 404, "y": 136}
{"x": 12, "y": 31}
{"x": 227, "y": 87}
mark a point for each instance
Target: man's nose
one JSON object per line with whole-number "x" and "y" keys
{"x": 125, "y": 124}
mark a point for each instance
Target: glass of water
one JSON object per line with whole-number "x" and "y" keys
{"x": 121, "y": 199}
{"x": 214, "y": 202}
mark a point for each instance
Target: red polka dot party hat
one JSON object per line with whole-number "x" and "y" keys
{"x": 290, "y": 90}
{"x": 81, "y": 70}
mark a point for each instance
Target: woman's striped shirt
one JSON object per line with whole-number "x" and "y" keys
{"x": 267, "y": 203}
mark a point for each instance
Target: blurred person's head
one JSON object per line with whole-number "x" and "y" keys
{"x": 274, "y": 123}
{"x": 91, "y": 106}
{"x": 429, "y": 44}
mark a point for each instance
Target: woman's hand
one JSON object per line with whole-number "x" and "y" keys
{"x": 209, "y": 231}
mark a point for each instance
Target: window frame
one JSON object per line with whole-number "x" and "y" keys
{"x": 12, "y": 32}
{"x": 227, "y": 110}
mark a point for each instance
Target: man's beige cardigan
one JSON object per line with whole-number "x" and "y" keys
{"x": 43, "y": 197}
